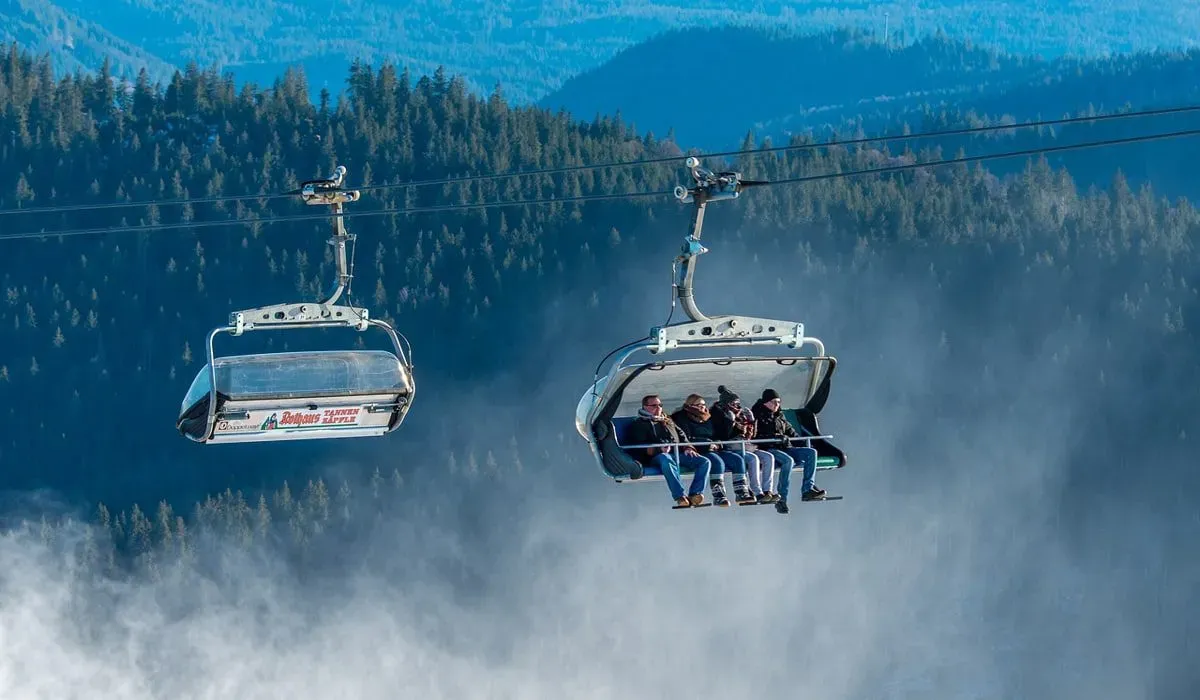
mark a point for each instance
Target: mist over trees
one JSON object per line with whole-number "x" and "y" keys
{"x": 992, "y": 321}
{"x": 107, "y": 330}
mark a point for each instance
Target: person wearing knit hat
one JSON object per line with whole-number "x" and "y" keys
{"x": 733, "y": 421}
{"x": 768, "y": 479}
{"x": 726, "y": 396}
{"x": 771, "y": 423}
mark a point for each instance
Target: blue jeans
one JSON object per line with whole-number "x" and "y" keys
{"x": 722, "y": 459}
{"x": 787, "y": 459}
{"x": 760, "y": 466}
{"x": 666, "y": 462}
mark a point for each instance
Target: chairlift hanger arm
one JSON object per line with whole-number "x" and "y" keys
{"x": 708, "y": 187}
{"x": 329, "y": 192}
{"x": 319, "y": 192}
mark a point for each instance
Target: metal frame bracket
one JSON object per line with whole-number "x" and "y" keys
{"x": 739, "y": 330}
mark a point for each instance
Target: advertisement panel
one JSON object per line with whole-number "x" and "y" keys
{"x": 303, "y": 419}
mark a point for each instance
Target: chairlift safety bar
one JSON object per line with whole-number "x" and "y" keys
{"x": 806, "y": 438}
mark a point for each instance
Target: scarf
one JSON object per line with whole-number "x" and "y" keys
{"x": 700, "y": 414}
{"x": 664, "y": 419}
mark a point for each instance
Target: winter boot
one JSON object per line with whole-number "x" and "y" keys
{"x": 742, "y": 494}
{"x": 717, "y": 486}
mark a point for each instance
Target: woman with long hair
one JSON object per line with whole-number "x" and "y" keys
{"x": 696, "y": 420}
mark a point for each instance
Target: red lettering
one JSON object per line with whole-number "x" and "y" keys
{"x": 290, "y": 418}
{"x": 342, "y": 416}
{"x": 339, "y": 416}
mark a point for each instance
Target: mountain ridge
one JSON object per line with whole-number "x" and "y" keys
{"x": 528, "y": 47}
{"x": 812, "y": 83}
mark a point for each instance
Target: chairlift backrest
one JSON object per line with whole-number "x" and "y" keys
{"x": 311, "y": 374}
{"x": 674, "y": 381}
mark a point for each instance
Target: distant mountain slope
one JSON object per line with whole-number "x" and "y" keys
{"x": 72, "y": 43}
{"x": 765, "y": 75}
{"x": 531, "y": 47}
{"x": 779, "y": 83}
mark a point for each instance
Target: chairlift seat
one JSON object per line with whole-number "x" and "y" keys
{"x": 829, "y": 460}
{"x": 606, "y": 411}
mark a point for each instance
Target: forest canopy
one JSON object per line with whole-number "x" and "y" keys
{"x": 119, "y": 319}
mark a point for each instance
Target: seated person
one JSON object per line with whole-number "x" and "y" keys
{"x": 653, "y": 427}
{"x": 771, "y": 423}
{"x": 696, "y": 421}
{"x": 733, "y": 421}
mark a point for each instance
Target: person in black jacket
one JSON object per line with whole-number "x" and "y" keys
{"x": 655, "y": 428}
{"x": 702, "y": 426}
{"x": 733, "y": 421}
{"x": 771, "y": 423}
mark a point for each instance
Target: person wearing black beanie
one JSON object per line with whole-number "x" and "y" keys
{"x": 771, "y": 423}
{"x": 733, "y": 421}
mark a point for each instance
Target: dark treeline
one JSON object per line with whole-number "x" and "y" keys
{"x": 103, "y": 334}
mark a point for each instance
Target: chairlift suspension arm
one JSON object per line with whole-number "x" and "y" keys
{"x": 339, "y": 255}
{"x": 687, "y": 259}
{"x": 701, "y": 329}
{"x": 329, "y": 192}
{"x": 325, "y": 313}
{"x": 708, "y": 187}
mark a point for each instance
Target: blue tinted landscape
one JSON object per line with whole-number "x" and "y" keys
{"x": 1015, "y": 340}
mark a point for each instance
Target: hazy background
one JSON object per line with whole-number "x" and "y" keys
{"x": 1016, "y": 390}
{"x": 948, "y": 571}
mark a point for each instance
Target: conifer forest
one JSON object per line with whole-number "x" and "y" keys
{"x": 1016, "y": 387}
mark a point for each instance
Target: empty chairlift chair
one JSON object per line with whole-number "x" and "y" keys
{"x": 302, "y": 395}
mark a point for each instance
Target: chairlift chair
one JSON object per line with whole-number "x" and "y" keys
{"x": 747, "y": 354}
{"x": 302, "y": 395}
